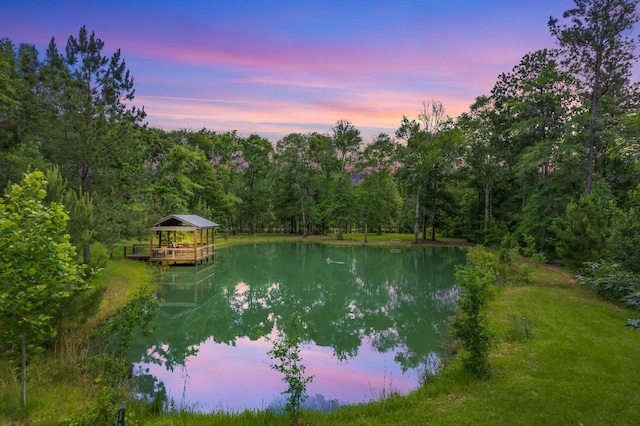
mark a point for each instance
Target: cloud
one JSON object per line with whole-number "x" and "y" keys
{"x": 271, "y": 67}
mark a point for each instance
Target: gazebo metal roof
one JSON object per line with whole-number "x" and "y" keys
{"x": 183, "y": 222}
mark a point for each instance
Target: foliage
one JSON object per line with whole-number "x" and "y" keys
{"x": 286, "y": 350}
{"x": 110, "y": 366}
{"x": 513, "y": 268}
{"x": 428, "y": 158}
{"x": 341, "y": 207}
{"x": 79, "y": 206}
{"x": 612, "y": 282}
{"x": 595, "y": 47}
{"x": 37, "y": 269}
{"x": 583, "y": 231}
{"x": 531, "y": 251}
{"x": 476, "y": 280}
{"x": 623, "y": 246}
{"x": 137, "y": 313}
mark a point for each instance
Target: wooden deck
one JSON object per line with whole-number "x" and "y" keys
{"x": 185, "y": 253}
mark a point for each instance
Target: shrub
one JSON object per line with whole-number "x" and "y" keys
{"x": 612, "y": 282}
{"x": 476, "y": 281}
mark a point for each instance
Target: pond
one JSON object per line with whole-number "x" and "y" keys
{"x": 379, "y": 317}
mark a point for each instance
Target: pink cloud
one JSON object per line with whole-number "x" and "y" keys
{"x": 263, "y": 68}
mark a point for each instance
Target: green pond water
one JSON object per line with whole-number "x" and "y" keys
{"x": 380, "y": 315}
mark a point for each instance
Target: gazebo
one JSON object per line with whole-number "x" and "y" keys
{"x": 178, "y": 238}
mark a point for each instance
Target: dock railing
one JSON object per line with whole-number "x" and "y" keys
{"x": 183, "y": 253}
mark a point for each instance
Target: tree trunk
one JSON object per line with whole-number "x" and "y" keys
{"x": 434, "y": 212}
{"x": 592, "y": 123}
{"x": 416, "y": 218}
{"x": 366, "y": 231}
{"x": 340, "y": 225}
{"x": 86, "y": 254}
{"x": 230, "y": 224}
{"x": 304, "y": 221}
{"x": 23, "y": 369}
{"x": 487, "y": 203}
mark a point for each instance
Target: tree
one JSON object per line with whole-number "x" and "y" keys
{"x": 79, "y": 206}
{"x": 90, "y": 135}
{"x": 178, "y": 178}
{"x": 584, "y": 230}
{"x": 379, "y": 155}
{"x": 295, "y": 182}
{"x": 482, "y": 155}
{"x": 91, "y": 104}
{"x": 37, "y": 268}
{"x": 19, "y": 112}
{"x": 598, "y": 51}
{"x": 425, "y": 158}
{"x": 342, "y": 201}
{"x": 378, "y": 202}
{"x": 377, "y": 198}
{"x": 347, "y": 140}
{"x": 221, "y": 192}
{"x": 534, "y": 103}
{"x": 256, "y": 183}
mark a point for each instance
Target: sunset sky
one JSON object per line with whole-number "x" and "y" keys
{"x": 276, "y": 67}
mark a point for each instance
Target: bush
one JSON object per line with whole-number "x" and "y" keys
{"x": 624, "y": 245}
{"x": 476, "y": 281}
{"x": 512, "y": 269}
{"x": 583, "y": 230}
{"x": 612, "y": 282}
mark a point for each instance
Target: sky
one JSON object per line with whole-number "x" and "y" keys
{"x": 279, "y": 67}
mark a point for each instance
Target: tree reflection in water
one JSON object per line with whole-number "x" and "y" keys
{"x": 376, "y": 311}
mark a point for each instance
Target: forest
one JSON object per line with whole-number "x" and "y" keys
{"x": 549, "y": 156}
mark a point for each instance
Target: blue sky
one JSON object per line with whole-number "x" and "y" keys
{"x": 276, "y": 67}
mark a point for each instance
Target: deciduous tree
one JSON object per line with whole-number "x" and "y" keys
{"x": 37, "y": 269}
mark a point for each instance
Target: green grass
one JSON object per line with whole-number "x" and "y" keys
{"x": 578, "y": 365}
{"x": 348, "y": 239}
{"x": 121, "y": 277}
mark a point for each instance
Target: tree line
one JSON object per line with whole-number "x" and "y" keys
{"x": 550, "y": 153}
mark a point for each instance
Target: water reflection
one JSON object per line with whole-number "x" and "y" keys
{"x": 378, "y": 318}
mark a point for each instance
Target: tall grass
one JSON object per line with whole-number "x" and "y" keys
{"x": 60, "y": 392}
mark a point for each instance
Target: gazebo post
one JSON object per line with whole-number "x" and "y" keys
{"x": 195, "y": 246}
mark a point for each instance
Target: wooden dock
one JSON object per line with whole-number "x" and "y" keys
{"x": 183, "y": 253}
